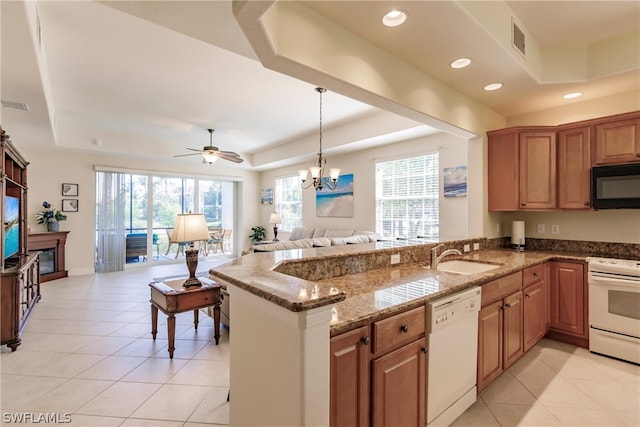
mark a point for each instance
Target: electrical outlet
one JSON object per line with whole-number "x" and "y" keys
{"x": 555, "y": 229}
{"x": 541, "y": 229}
{"x": 395, "y": 259}
{"x": 476, "y": 246}
{"x": 467, "y": 248}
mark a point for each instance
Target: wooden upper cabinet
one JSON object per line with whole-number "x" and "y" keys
{"x": 618, "y": 141}
{"x": 537, "y": 170}
{"x": 503, "y": 169}
{"x": 522, "y": 169}
{"x": 574, "y": 168}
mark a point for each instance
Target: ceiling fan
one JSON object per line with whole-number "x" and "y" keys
{"x": 210, "y": 153}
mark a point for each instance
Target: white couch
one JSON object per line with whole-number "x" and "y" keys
{"x": 302, "y": 238}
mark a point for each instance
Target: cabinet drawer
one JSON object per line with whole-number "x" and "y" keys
{"x": 532, "y": 275}
{"x": 398, "y": 330}
{"x": 500, "y": 288}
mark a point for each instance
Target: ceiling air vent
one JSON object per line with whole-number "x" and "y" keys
{"x": 16, "y": 105}
{"x": 517, "y": 37}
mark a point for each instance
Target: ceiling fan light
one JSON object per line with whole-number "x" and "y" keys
{"x": 209, "y": 157}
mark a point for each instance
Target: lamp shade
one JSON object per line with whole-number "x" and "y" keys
{"x": 189, "y": 228}
{"x": 275, "y": 218}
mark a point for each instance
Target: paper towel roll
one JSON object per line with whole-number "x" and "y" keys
{"x": 517, "y": 234}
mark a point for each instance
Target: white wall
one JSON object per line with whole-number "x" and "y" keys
{"x": 49, "y": 168}
{"x": 453, "y": 211}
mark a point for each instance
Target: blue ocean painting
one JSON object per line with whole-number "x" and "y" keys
{"x": 338, "y": 202}
{"x": 455, "y": 181}
{"x": 11, "y": 226}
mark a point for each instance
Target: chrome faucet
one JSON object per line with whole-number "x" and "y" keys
{"x": 435, "y": 258}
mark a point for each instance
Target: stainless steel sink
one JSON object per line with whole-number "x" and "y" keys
{"x": 459, "y": 266}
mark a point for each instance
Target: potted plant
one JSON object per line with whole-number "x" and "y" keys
{"x": 50, "y": 216}
{"x": 258, "y": 234}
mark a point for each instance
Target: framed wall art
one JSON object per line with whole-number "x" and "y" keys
{"x": 69, "y": 205}
{"x": 338, "y": 202}
{"x": 455, "y": 181}
{"x": 69, "y": 190}
{"x": 266, "y": 196}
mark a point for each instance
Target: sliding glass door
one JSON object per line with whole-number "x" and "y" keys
{"x": 146, "y": 210}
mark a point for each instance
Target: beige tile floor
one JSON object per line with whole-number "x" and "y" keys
{"x": 87, "y": 351}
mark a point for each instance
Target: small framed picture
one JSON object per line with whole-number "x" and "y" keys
{"x": 70, "y": 189}
{"x": 69, "y": 205}
{"x": 266, "y": 196}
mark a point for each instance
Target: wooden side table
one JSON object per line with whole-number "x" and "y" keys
{"x": 171, "y": 298}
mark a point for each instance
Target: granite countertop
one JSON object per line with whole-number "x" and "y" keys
{"x": 360, "y": 297}
{"x": 385, "y": 291}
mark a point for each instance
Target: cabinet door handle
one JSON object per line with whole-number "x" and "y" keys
{"x": 587, "y": 203}
{"x": 507, "y": 306}
{"x": 365, "y": 340}
{"x": 424, "y": 349}
{"x": 404, "y": 329}
{"x": 637, "y": 154}
{"x": 527, "y": 295}
{"x": 535, "y": 274}
{"x": 524, "y": 203}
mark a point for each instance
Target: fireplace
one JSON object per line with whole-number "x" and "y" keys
{"x": 51, "y": 248}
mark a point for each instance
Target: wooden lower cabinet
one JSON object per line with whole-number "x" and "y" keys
{"x": 398, "y": 387}
{"x": 19, "y": 292}
{"x": 535, "y": 314}
{"x": 568, "y": 303}
{"x": 499, "y": 337}
{"x": 349, "y": 394}
{"x": 377, "y": 373}
{"x": 535, "y": 304}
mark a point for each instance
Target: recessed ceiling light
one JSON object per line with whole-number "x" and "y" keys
{"x": 394, "y": 18}
{"x": 493, "y": 86}
{"x": 460, "y": 63}
{"x": 572, "y": 95}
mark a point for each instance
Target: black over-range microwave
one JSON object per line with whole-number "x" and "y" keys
{"x": 616, "y": 186}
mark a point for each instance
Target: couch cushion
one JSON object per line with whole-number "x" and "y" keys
{"x": 357, "y": 239}
{"x": 301, "y": 233}
{"x": 337, "y": 232}
{"x": 321, "y": 242}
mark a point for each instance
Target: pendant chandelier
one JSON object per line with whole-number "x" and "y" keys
{"x": 318, "y": 178}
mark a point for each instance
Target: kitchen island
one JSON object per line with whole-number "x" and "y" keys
{"x": 287, "y": 304}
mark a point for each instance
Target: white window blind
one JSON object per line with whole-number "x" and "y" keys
{"x": 288, "y": 201}
{"x": 407, "y": 197}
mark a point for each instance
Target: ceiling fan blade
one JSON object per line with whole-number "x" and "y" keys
{"x": 183, "y": 155}
{"x": 229, "y": 153}
{"x": 230, "y": 158}
{"x": 193, "y": 149}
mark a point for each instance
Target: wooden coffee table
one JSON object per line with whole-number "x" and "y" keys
{"x": 171, "y": 298}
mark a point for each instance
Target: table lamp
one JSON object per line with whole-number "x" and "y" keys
{"x": 189, "y": 228}
{"x": 275, "y": 219}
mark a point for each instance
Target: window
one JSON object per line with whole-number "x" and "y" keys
{"x": 288, "y": 201}
{"x": 407, "y": 197}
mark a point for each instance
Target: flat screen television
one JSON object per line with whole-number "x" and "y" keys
{"x": 11, "y": 226}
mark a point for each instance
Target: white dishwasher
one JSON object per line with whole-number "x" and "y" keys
{"x": 452, "y": 347}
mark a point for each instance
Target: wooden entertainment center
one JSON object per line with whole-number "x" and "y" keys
{"x": 20, "y": 270}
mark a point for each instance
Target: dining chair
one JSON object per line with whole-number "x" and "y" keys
{"x": 215, "y": 240}
{"x": 181, "y": 245}
{"x": 226, "y": 240}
